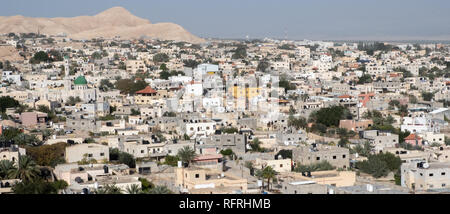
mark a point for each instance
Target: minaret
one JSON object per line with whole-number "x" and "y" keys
{"x": 67, "y": 80}
{"x": 66, "y": 67}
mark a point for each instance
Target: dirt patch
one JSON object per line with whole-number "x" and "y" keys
{"x": 9, "y": 53}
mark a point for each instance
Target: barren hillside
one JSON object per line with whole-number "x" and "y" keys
{"x": 116, "y": 21}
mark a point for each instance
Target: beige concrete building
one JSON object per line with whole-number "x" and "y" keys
{"x": 135, "y": 65}
{"x": 336, "y": 156}
{"x": 330, "y": 177}
{"x": 281, "y": 165}
{"x": 91, "y": 151}
{"x": 422, "y": 176}
{"x": 207, "y": 181}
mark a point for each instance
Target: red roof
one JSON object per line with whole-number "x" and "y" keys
{"x": 345, "y": 96}
{"x": 413, "y": 137}
{"x": 146, "y": 90}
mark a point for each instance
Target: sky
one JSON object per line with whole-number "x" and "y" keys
{"x": 291, "y": 19}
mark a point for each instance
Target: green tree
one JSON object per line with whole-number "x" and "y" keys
{"x": 427, "y": 96}
{"x": 48, "y": 155}
{"x": 284, "y": 83}
{"x": 321, "y": 166}
{"x": 366, "y": 78}
{"x": 128, "y": 86}
{"x": 7, "y": 169}
{"x": 364, "y": 150}
{"x": 269, "y": 173}
{"x": 40, "y": 56}
{"x": 186, "y": 154}
{"x": 106, "y": 85}
{"x": 379, "y": 165}
{"x": 331, "y": 116}
{"x": 163, "y": 67}
{"x": 263, "y": 65}
{"x": 109, "y": 189}
{"x": 7, "y": 102}
{"x": 171, "y": 160}
{"x": 394, "y": 103}
{"x": 133, "y": 189}
{"x": 161, "y": 57}
{"x": 297, "y": 122}
{"x": 230, "y": 130}
{"x": 160, "y": 190}
{"x": 240, "y": 52}
{"x": 27, "y": 170}
{"x": 146, "y": 185}
{"x": 190, "y": 63}
{"x": 255, "y": 145}
{"x": 39, "y": 186}
{"x": 71, "y": 101}
{"x": 127, "y": 159}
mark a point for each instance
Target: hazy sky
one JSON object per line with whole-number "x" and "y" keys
{"x": 318, "y": 19}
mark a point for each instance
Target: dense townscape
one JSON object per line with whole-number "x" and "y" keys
{"x": 110, "y": 116}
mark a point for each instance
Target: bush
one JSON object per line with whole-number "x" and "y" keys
{"x": 39, "y": 187}
{"x": 321, "y": 166}
{"x": 47, "y": 155}
{"x": 230, "y": 130}
{"x": 7, "y": 102}
{"x": 380, "y": 165}
{"x": 127, "y": 159}
{"x": 171, "y": 160}
{"x": 331, "y": 116}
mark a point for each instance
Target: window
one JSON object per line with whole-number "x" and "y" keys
{"x": 90, "y": 155}
{"x": 343, "y": 156}
{"x": 317, "y": 158}
{"x": 197, "y": 175}
{"x": 142, "y": 151}
{"x": 102, "y": 154}
{"x": 442, "y": 173}
{"x": 334, "y": 157}
{"x": 431, "y": 174}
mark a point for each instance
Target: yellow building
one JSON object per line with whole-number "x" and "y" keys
{"x": 241, "y": 92}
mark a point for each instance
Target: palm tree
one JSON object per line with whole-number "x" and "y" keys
{"x": 270, "y": 174}
{"x": 259, "y": 175}
{"x": 27, "y": 169}
{"x": 133, "y": 189}
{"x": 101, "y": 191}
{"x": 109, "y": 189}
{"x": 186, "y": 154}
{"x": 160, "y": 190}
{"x": 6, "y": 169}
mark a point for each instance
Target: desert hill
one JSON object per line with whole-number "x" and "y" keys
{"x": 116, "y": 21}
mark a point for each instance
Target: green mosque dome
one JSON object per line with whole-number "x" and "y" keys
{"x": 80, "y": 81}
